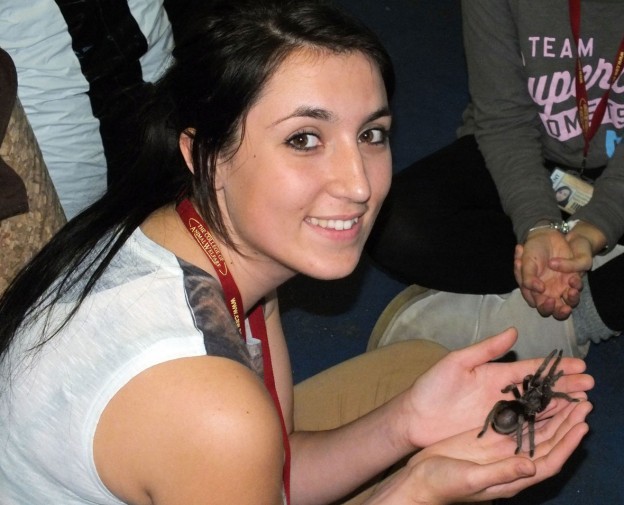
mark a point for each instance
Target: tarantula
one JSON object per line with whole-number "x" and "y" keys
{"x": 508, "y": 416}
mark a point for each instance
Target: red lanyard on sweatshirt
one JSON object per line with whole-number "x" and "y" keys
{"x": 198, "y": 229}
{"x": 590, "y": 127}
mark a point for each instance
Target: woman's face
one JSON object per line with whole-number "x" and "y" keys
{"x": 314, "y": 165}
{"x": 562, "y": 194}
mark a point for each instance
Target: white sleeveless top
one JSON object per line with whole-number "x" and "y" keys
{"x": 149, "y": 307}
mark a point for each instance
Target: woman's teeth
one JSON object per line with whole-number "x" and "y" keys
{"x": 334, "y": 224}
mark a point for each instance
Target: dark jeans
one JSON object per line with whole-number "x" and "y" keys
{"x": 443, "y": 227}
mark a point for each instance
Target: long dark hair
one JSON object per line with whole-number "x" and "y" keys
{"x": 223, "y": 58}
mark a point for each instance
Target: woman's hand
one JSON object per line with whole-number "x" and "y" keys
{"x": 459, "y": 391}
{"x": 550, "y": 290}
{"x": 466, "y": 468}
{"x": 585, "y": 241}
{"x": 549, "y": 267}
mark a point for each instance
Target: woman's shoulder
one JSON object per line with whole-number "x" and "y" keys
{"x": 191, "y": 429}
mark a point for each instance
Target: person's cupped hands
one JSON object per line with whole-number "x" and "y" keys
{"x": 468, "y": 468}
{"x": 552, "y": 292}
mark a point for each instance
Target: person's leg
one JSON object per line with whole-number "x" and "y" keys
{"x": 457, "y": 320}
{"x": 442, "y": 225}
{"x": 351, "y": 389}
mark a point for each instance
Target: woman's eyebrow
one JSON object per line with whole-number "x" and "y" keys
{"x": 309, "y": 111}
{"x": 381, "y": 112}
{"x": 325, "y": 115}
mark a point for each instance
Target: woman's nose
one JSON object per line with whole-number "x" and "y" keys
{"x": 349, "y": 176}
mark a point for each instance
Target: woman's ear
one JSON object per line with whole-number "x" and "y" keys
{"x": 186, "y": 147}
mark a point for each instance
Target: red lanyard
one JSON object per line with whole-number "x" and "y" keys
{"x": 590, "y": 127}
{"x": 198, "y": 229}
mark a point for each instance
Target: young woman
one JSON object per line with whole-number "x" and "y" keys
{"x": 142, "y": 356}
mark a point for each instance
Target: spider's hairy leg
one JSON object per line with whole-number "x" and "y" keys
{"x": 490, "y": 417}
{"x": 556, "y": 362}
{"x": 519, "y": 433}
{"x": 554, "y": 378}
{"x": 544, "y": 364}
{"x": 514, "y": 389}
{"x": 551, "y": 372}
{"x": 531, "y": 436}
{"x": 559, "y": 394}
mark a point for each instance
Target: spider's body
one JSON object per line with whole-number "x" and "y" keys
{"x": 509, "y": 416}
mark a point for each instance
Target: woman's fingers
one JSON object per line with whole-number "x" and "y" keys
{"x": 549, "y": 432}
{"x": 487, "y": 350}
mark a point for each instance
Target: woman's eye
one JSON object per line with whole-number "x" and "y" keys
{"x": 304, "y": 141}
{"x": 374, "y": 136}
